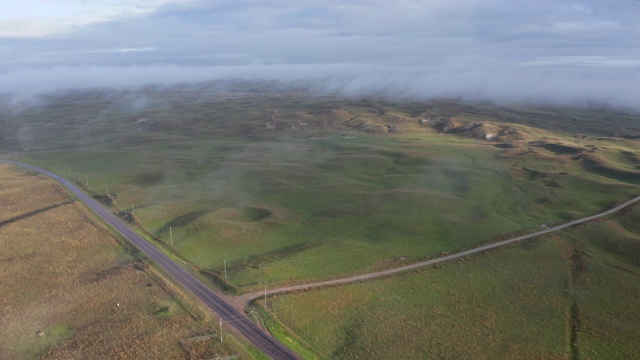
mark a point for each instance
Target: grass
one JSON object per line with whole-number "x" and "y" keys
{"x": 276, "y": 186}
{"x": 71, "y": 291}
{"x": 285, "y": 188}
{"x": 477, "y": 308}
{"x": 569, "y": 295}
{"x": 606, "y": 287}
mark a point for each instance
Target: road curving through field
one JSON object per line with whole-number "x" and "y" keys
{"x": 231, "y": 307}
{"x": 303, "y": 287}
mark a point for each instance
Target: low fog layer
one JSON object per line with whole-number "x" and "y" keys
{"x": 581, "y": 51}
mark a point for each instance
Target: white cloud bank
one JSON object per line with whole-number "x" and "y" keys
{"x": 576, "y": 51}
{"x": 509, "y": 84}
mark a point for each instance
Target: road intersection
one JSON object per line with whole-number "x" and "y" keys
{"x": 227, "y": 307}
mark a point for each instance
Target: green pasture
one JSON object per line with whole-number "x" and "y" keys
{"x": 567, "y": 295}
{"x": 278, "y": 189}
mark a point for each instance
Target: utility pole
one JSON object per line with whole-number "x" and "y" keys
{"x": 221, "y": 329}
{"x": 171, "y": 235}
{"x": 225, "y": 269}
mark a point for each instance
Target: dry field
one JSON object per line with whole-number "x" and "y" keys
{"x": 70, "y": 290}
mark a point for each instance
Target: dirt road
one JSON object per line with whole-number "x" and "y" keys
{"x": 231, "y": 307}
{"x": 251, "y": 296}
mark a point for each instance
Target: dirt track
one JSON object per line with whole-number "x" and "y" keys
{"x": 231, "y": 307}
{"x": 251, "y": 296}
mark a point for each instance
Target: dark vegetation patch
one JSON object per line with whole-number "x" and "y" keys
{"x": 575, "y": 325}
{"x": 551, "y": 183}
{"x": 597, "y": 167}
{"x": 578, "y": 268}
{"x": 628, "y": 136}
{"x": 108, "y": 200}
{"x": 505, "y": 146}
{"x": 33, "y": 213}
{"x": 535, "y": 174}
{"x": 578, "y": 261}
{"x": 547, "y": 179}
{"x": 400, "y": 158}
{"x": 183, "y": 220}
{"x": 219, "y": 280}
{"x": 459, "y": 181}
{"x": 351, "y": 336}
{"x": 559, "y": 149}
{"x": 625, "y": 248}
{"x": 465, "y": 128}
{"x": 631, "y": 157}
{"x": 129, "y": 217}
{"x": 149, "y": 178}
{"x": 448, "y": 125}
{"x": 108, "y": 273}
{"x": 161, "y": 310}
{"x": 257, "y": 260}
{"x": 251, "y": 214}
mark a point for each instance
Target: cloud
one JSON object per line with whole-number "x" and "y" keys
{"x": 591, "y": 61}
{"x": 122, "y": 50}
{"x": 504, "y": 83}
{"x": 528, "y": 50}
{"x": 37, "y": 18}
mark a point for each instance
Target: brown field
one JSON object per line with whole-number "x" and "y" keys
{"x": 70, "y": 290}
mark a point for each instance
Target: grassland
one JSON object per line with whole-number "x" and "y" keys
{"x": 71, "y": 290}
{"x": 571, "y": 295}
{"x": 280, "y": 184}
{"x": 287, "y": 187}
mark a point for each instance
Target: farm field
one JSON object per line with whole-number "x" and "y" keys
{"x": 570, "y": 295}
{"x": 72, "y": 290}
{"x": 277, "y": 185}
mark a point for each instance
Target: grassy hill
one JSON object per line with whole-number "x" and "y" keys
{"x": 282, "y": 182}
{"x": 287, "y": 186}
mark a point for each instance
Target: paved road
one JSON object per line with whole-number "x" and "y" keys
{"x": 212, "y": 300}
{"x": 251, "y": 296}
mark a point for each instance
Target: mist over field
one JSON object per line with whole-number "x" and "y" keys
{"x": 563, "y": 52}
{"x": 557, "y": 86}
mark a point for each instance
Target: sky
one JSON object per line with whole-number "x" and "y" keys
{"x": 565, "y": 51}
